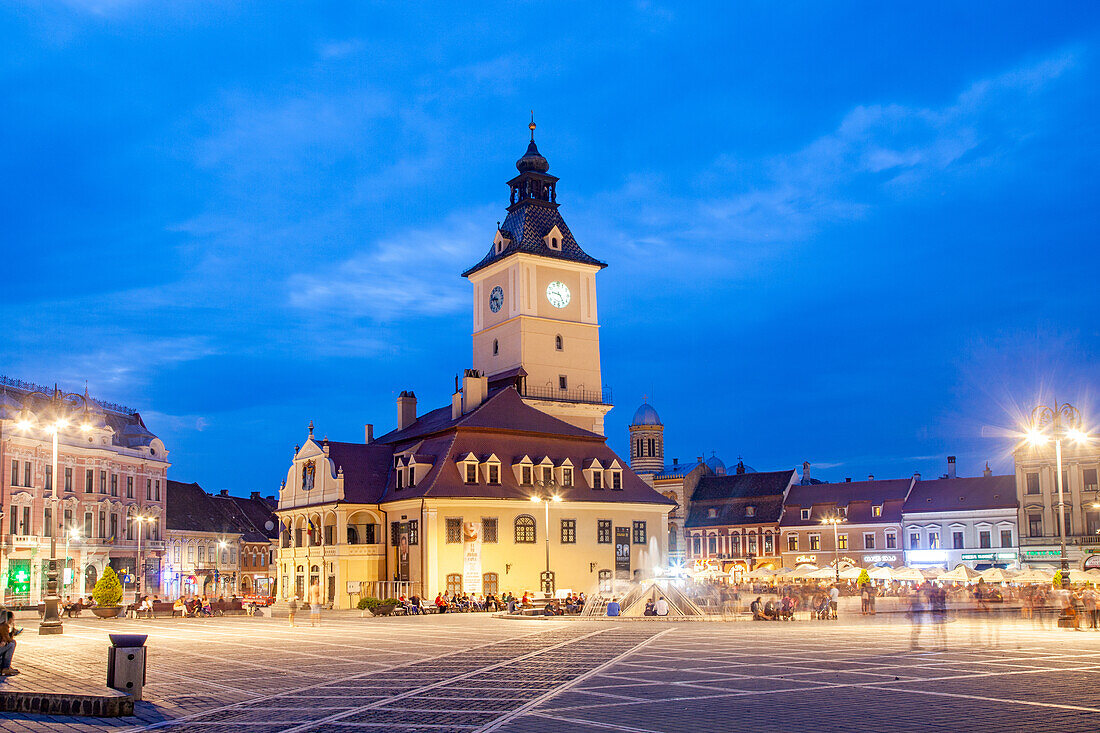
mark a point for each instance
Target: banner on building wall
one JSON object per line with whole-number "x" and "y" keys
{"x": 622, "y": 553}
{"x": 403, "y": 551}
{"x": 471, "y": 557}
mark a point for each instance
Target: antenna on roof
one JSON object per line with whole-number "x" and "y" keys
{"x": 532, "y": 126}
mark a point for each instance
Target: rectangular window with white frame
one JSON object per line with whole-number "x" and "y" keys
{"x": 868, "y": 540}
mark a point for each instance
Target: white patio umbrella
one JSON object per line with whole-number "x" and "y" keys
{"x": 961, "y": 574}
{"x": 910, "y": 574}
{"x": 1032, "y": 575}
{"x": 994, "y": 575}
{"x": 825, "y": 573}
{"x": 763, "y": 573}
{"x": 803, "y": 571}
{"x": 850, "y": 573}
{"x": 883, "y": 573}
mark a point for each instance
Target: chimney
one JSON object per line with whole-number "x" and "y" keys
{"x": 475, "y": 388}
{"x": 223, "y": 492}
{"x": 847, "y": 479}
{"x": 988, "y": 471}
{"x": 805, "y": 472}
{"x": 916, "y": 476}
{"x": 368, "y": 433}
{"x": 456, "y": 404}
{"x": 675, "y": 461}
{"x": 406, "y": 409}
{"x": 870, "y": 477}
{"x": 255, "y": 496}
{"x": 951, "y": 467}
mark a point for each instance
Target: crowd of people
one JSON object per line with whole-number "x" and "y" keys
{"x": 466, "y": 603}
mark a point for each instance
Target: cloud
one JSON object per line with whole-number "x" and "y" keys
{"x": 877, "y": 153}
{"x": 410, "y": 273}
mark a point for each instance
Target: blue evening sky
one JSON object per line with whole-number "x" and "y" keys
{"x": 858, "y": 234}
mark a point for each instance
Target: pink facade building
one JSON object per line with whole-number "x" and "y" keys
{"x": 104, "y": 506}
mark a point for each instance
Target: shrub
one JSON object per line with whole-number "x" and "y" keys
{"x": 391, "y": 602}
{"x": 863, "y": 578}
{"x": 368, "y": 603}
{"x": 107, "y": 591}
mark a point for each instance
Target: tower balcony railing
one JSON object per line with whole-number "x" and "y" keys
{"x": 549, "y": 392}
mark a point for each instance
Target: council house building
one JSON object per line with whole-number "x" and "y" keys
{"x": 510, "y": 487}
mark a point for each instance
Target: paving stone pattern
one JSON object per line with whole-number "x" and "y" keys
{"x": 465, "y": 673}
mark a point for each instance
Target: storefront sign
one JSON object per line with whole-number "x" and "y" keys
{"x": 1042, "y": 553}
{"x": 926, "y": 556}
{"x": 989, "y": 556}
{"x": 1093, "y": 561}
{"x": 622, "y": 553}
{"x": 471, "y": 557}
{"x": 880, "y": 558}
{"x": 805, "y": 558}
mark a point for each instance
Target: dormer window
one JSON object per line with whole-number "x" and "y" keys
{"x": 597, "y": 479}
{"x": 412, "y": 477}
{"x": 500, "y": 242}
{"x": 616, "y": 480}
{"x": 553, "y": 239}
{"x": 567, "y": 476}
{"x": 712, "y": 513}
{"x": 805, "y": 514}
{"x": 750, "y": 511}
{"x": 876, "y": 511}
{"x": 400, "y": 479}
{"x": 494, "y": 473}
{"x": 525, "y": 476}
{"x": 471, "y": 473}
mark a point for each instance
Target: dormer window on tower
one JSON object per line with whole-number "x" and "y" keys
{"x": 553, "y": 238}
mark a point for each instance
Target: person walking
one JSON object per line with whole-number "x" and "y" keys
{"x": 1089, "y": 599}
{"x": 315, "y": 600}
{"x": 291, "y": 609}
{"x": 834, "y": 601}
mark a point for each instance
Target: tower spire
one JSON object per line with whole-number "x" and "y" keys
{"x": 532, "y": 126}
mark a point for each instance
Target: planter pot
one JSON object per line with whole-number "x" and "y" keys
{"x": 107, "y": 611}
{"x": 384, "y": 610}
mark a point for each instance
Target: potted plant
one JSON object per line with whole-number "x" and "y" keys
{"x": 107, "y": 595}
{"x": 367, "y": 605}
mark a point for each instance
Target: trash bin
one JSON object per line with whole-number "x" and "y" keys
{"x": 126, "y": 663}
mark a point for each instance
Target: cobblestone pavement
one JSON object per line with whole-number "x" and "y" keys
{"x": 476, "y": 673}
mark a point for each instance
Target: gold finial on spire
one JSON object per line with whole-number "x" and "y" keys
{"x": 532, "y": 126}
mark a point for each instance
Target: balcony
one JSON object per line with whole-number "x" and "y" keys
{"x": 1083, "y": 539}
{"x": 551, "y": 393}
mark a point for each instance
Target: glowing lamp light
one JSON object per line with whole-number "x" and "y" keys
{"x": 62, "y": 423}
{"x": 24, "y": 424}
{"x": 86, "y": 427}
{"x": 535, "y": 499}
{"x": 1035, "y": 437}
{"x": 556, "y": 497}
{"x": 1077, "y": 436}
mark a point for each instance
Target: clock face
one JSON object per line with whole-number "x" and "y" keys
{"x": 496, "y": 299}
{"x": 558, "y": 294}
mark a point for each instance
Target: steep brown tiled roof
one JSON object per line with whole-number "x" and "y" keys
{"x": 858, "y": 497}
{"x": 956, "y": 494}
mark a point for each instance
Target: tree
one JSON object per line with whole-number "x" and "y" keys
{"x": 108, "y": 591}
{"x": 863, "y": 578}
{"x": 1057, "y": 582}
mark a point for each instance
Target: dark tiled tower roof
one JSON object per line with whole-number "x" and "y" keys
{"x": 532, "y": 214}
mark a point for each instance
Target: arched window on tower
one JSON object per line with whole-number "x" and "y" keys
{"x": 558, "y": 344}
{"x": 652, "y": 447}
{"x": 672, "y": 541}
{"x": 496, "y": 347}
{"x": 638, "y": 448}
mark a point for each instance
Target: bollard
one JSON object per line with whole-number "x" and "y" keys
{"x": 126, "y": 663}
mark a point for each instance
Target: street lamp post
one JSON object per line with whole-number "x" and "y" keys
{"x": 835, "y": 520}
{"x": 546, "y": 504}
{"x": 1057, "y": 423}
{"x": 59, "y": 405}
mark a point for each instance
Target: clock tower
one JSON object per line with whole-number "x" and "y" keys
{"x": 535, "y": 319}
